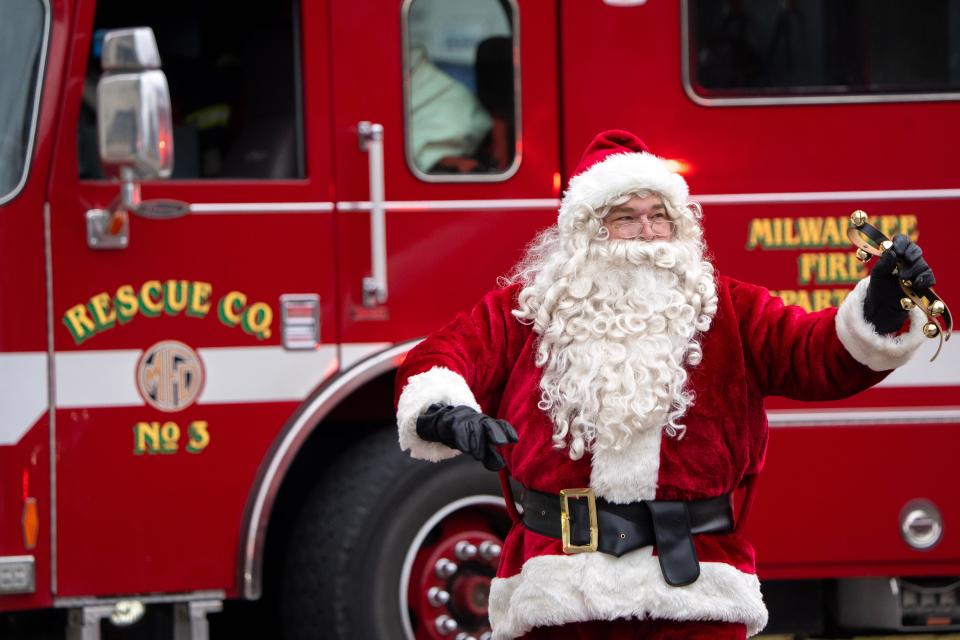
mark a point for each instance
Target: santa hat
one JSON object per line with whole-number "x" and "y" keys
{"x": 617, "y": 163}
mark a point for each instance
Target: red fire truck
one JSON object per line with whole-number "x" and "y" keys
{"x": 196, "y": 365}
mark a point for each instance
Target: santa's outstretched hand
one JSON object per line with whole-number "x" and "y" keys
{"x": 881, "y": 304}
{"x": 467, "y": 430}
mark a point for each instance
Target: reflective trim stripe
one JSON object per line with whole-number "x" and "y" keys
{"x": 88, "y": 379}
{"x": 264, "y": 374}
{"x": 352, "y": 353}
{"x": 920, "y": 372}
{"x": 106, "y": 378}
{"x": 453, "y": 205}
{"x": 827, "y": 196}
{"x": 204, "y": 208}
{"x": 865, "y": 417}
{"x": 23, "y": 393}
{"x": 261, "y": 207}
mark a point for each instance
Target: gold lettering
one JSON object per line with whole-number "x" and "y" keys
{"x": 807, "y": 264}
{"x": 908, "y": 227}
{"x": 788, "y": 296}
{"x": 812, "y": 299}
{"x": 761, "y": 233}
{"x": 811, "y": 230}
{"x": 78, "y": 323}
{"x": 838, "y": 268}
{"x": 834, "y": 232}
{"x": 199, "y": 436}
{"x": 778, "y": 232}
{"x": 230, "y": 307}
{"x": 103, "y": 313}
{"x": 146, "y": 437}
{"x": 169, "y": 437}
{"x": 790, "y": 237}
{"x": 888, "y": 226}
{"x": 151, "y": 298}
{"x": 126, "y": 303}
{"x": 199, "y": 299}
{"x": 175, "y": 294}
{"x": 821, "y": 299}
{"x": 257, "y": 320}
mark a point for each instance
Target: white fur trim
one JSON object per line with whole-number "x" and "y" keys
{"x": 628, "y": 475}
{"x": 620, "y": 174}
{"x": 439, "y": 384}
{"x": 556, "y": 590}
{"x": 860, "y": 338}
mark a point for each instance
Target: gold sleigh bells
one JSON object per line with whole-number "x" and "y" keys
{"x": 870, "y": 242}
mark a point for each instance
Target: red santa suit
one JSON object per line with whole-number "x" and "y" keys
{"x": 755, "y": 346}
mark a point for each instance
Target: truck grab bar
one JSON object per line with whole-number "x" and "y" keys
{"x": 375, "y": 286}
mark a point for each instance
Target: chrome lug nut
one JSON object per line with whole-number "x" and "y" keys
{"x": 490, "y": 550}
{"x": 464, "y": 550}
{"x": 486, "y": 635}
{"x": 446, "y": 625}
{"x": 464, "y": 636}
{"x": 437, "y": 596}
{"x": 445, "y": 568}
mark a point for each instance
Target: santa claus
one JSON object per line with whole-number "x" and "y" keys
{"x": 620, "y": 381}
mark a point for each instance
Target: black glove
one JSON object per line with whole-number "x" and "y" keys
{"x": 467, "y": 430}
{"x": 881, "y": 305}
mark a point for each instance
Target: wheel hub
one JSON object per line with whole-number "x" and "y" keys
{"x": 449, "y": 588}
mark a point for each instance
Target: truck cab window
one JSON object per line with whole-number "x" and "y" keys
{"x": 22, "y": 34}
{"x": 756, "y": 48}
{"x": 461, "y": 90}
{"x": 235, "y": 90}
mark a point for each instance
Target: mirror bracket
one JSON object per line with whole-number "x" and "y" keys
{"x": 107, "y": 229}
{"x": 110, "y": 228}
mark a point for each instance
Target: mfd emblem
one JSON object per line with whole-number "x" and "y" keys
{"x": 170, "y": 376}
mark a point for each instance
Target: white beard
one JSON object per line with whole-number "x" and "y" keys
{"x": 617, "y": 322}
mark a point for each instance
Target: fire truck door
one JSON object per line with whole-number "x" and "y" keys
{"x": 182, "y": 350}
{"x": 459, "y": 160}
{"x": 28, "y": 71}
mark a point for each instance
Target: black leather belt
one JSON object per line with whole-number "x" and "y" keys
{"x": 586, "y": 523}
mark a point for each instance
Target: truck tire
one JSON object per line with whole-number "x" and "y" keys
{"x": 387, "y": 547}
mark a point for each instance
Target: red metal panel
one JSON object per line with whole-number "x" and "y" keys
{"x": 829, "y": 501}
{"x": 622, "y": 70}
{"x": 23, "y": 327}
{"x": 131, "y": 522}
{"x": 156, "y": 522}
{"x": 25, "y": 473}
{"x": 439, "y": 262}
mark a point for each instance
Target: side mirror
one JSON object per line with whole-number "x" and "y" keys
{"x": 134, "y": 124}
{"x": 134, "y": 133}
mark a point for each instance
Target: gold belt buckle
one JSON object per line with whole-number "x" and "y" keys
{"x": 577, "y": 494}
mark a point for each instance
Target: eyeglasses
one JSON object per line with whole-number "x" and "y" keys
{"x": 631, "y": 227}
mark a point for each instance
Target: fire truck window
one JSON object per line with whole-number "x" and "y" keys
{"x": 22, "y": 32}
{"x": 234, "y": 79}
{"x": 460, "y": 89}
{"x": 746, "y": 48}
